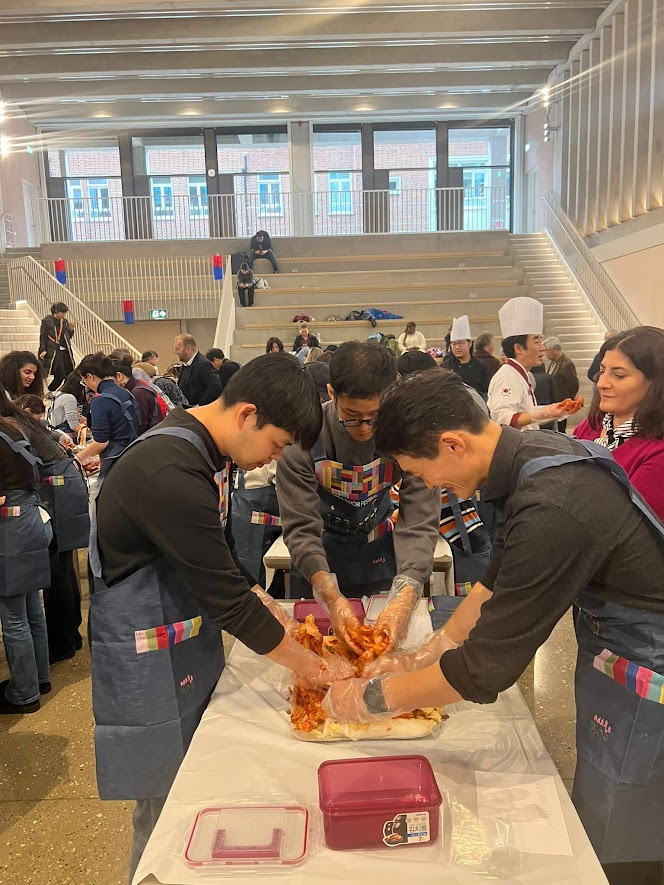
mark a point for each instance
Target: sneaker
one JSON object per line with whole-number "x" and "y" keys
{"x": 44, "y": 687}
{"x": 7, "y": 707}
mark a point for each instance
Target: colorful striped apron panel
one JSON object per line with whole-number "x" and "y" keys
{"x": 383, "y": 528}
{"x": 448, "y": 528}
{"x": 352, "y": 482}
{"x": 643, "y": 682}
{"x": 167, "y": 635}
{"x": 10, "y": 511}
{"x": 260, "y": 518}
{"x": 222, "y": 480}
{"x": 53, "y": 481}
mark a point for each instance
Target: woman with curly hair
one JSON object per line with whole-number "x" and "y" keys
{"x": 20, "y": 373}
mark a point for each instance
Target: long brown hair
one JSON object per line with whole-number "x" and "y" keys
{"x": 644, "y": 346}
{"x": 10, "y": 373}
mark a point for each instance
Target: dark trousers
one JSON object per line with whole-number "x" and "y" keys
{"x": 62, "y": 604}
{"x": 246, "y": 296}
{"x": 636, "y": 873}
{"x": 271, "y": 257}
{"x": 61, "y": 367}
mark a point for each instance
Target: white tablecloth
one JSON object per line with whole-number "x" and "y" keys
{"x": 243, "y": 751}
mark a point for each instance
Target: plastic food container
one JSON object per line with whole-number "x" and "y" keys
{"x": 248, "y": 835}
{"x": 379, "y": 801}
{"x": 376, "y": 607}
{"x": 310, "y": 607}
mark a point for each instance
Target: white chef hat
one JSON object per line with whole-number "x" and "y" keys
{"x": 521, "y": 316}
{"x": 460, "y": 329}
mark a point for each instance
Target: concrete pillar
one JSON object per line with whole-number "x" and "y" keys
{"x": 301, "y": 166}
{"x": 616, "y": 117}
{"x": 573, "y": 147}
{"x": 590, "y": 221}
{"x": 643, "y": 106}
{"x": 655, "y": 183}
{"x": 583, "y": 139}
{"x": 518, "y": 206}
{"x": 603, "y": 129}
{"x": 629, "y": 141}
{"x": 564, "y": 94}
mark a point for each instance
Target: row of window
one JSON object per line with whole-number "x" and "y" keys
{"x": 340, "y": 196}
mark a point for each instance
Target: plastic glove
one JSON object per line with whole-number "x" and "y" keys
{"x": 343, "y": 620}
{"x": 344, "y": 702}
{"x": 289, "y": 624}
{"x": 310, "y": 669}
{"x": 542, "y": 414}
{"x": 402, "y": 601}
{"x": 409, "y": 661}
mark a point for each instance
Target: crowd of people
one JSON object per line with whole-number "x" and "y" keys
{"x": 453, "y": 450}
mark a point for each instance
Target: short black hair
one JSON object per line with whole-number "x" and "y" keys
{"x": 59, "y": 307}
{"x": 96, "y": 364}
{"x": 284, "y": 395}
{"x": 123, "y": 367}
{"x": 30, "y": 402}
{"x": 215, "y": 353}
{"x": 510, "y": 343}
{"x": 148, "y": 354}
{"x": 416, "y": 410}
{"x": 271, "y": 341}
{"x": 414, "y": 361}
{"x": 362, "y": 369}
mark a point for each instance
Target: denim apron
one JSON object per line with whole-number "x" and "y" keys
{"x": 24, "y": 537}
{"x": 114, "y": 449}
{"x": 64, "y": 493}
{"x": 356, "y": 507}
{"x": 256, "y": 525}
{"x": 619, "y": 684}
{"x": 156, "y": 658}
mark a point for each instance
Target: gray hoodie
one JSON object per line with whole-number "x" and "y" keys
{"x": 415, "y": 534}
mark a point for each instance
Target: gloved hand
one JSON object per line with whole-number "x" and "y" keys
{"x": 409, "y": 661}
{"x": 344, "y": 702}
{"x": 289, "y": 624}
{"x": 309, "y": 668}
{"x": 327, "y": 594}
{"x": 402, "y": 601}
{"x": 543, "y": 414}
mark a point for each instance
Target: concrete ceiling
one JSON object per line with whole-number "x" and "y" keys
{"x": 137, "y": 63}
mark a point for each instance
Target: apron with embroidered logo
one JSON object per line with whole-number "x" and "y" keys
{"x": 156, "y": 658}
{"x": 64, "y": 492}
{"x": 256, "y": 525}
{"x": 619, "y": 684}
{"x": 24, "y": 537}
{"x": 356, "y": 507}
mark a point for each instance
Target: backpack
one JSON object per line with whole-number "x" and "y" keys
{"x": 387, "y": 341}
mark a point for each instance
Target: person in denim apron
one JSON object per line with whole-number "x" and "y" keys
{"x": 256, "y": 522}
{"x": 24, "y": 570}
{"x": 335, "y": 501}
{"x": 166, "y": 580}
{"x": 573, "y": 532}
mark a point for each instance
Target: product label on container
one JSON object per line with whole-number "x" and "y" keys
{"x": 406, "y": 829}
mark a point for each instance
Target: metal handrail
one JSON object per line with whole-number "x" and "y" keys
{"x": 31, "y": 283}
{"x": 603, "y": 294}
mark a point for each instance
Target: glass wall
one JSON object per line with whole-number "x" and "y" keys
{"x": 92, "y": 207}
{"x": 485, "y": 156}
{"x": 337, "y": 159}
{"x": 175, "y": 169}
{"x": 409, "y": 155}
{"x": 259, "y": 164}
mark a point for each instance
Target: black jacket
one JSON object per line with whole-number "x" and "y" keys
{"x": 255, "y": 246}
{"x": 474, "y": 374}
{"x": 48, "y": 334}
{"x": 299, "y": 343}
{"x": 200, "y": 382}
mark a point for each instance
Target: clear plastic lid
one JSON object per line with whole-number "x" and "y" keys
{"x": 369, "y": 784}
{"x": 304, "y": 607}
{"x": 375, "y": 606}
{"x": 248, "y": 835}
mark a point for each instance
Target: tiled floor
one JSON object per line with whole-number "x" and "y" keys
{"x": 55, "y": 831}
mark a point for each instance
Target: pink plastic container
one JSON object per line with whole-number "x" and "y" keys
{"x": 310, "y": 607}
{"x": 379, "y": 801}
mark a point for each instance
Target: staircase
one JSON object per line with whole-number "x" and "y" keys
{"x": 567, "y": 313}
{"x": 19, "y": 328}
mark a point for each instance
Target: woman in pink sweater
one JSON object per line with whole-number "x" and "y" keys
{"x": 627, "y": 412}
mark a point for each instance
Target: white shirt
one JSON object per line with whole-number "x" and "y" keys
{"x": 189, "y": 362}
{"x": 510, "y": 394}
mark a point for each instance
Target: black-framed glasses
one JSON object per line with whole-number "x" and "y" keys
{"x": 356, "y": 422}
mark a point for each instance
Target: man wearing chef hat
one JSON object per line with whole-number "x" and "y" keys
{"x": 461, "y": 360}
{"x": 512, "y": 389}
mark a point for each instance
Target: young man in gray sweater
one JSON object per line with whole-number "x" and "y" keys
{"x": 336, "y": 507}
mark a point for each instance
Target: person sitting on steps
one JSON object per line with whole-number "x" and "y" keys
{"x": 260, "y": 246}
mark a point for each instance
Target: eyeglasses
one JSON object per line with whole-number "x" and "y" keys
{"x": 356, "y": 422}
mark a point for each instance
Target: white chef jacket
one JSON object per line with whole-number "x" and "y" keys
{"x": 510, "y": 395}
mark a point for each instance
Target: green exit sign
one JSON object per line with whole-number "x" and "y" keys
{"x": 159, "y": 314}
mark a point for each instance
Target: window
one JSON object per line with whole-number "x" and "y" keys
{"x": 99, "y": 197}
{"x": 340, "y": 200}
{"x": 75, "y": 194}
{"x": 162, "y": 197}
{"x": 269, "y": 194}
{"x": 198, "y": 199}
{"x": 474, "y": 181}
{"x": 395, "y": 184}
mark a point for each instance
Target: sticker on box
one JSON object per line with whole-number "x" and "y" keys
{"x": 407, "y": 829}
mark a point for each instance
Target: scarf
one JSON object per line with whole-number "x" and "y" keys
{"x": 615, "y": 436}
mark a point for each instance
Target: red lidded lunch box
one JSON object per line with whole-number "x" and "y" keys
{"x": 378, "y": 801}
{"x": 306, "y": 607}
